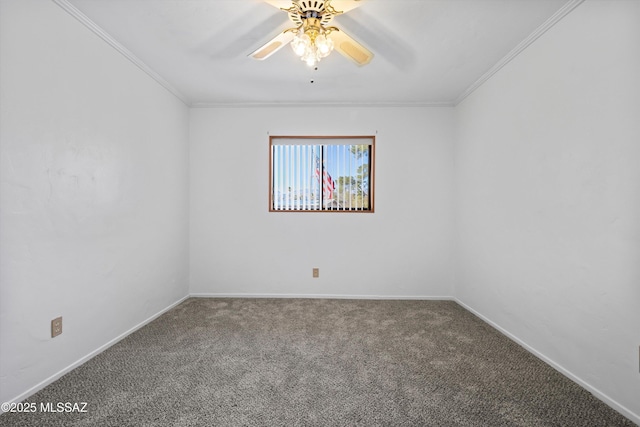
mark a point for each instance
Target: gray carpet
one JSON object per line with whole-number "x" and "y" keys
{"x": 289, "y": 362}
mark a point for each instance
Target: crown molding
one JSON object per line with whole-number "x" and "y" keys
{"x": 321, "y": 104}
{"x": 553, "y": 20}
{"x": 83, "y": 19}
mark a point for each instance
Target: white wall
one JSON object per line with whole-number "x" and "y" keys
{"x": 548, "y": 199}
{"x": 94, "y": 194}
{"x": 404, "y": 249}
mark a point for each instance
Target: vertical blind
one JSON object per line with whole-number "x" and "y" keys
{"x": 321, "y": 177}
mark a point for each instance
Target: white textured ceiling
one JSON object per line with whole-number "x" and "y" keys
{"x": 426, "y": 51}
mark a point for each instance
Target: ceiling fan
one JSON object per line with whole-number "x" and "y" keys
{"x": 313, "y": 38}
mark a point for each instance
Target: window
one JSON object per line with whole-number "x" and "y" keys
{"x": 321, "y": 174}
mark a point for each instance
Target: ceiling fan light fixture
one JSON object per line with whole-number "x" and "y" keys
{"x": 311, "y": 41}
{"x": 301, "y": 43}
{"x": 324, "y": 45}
{"x": 312, "y": 45}
{"x": 310, "y": 59}
{"x": 313, "y": 37}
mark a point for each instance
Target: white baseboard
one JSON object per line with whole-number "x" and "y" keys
{"x": 94, "y": 353}
{"x": 597, "y": 393}
{"x": 322, "y": 296}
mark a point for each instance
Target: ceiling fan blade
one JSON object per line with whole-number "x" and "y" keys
{"x": 388, "y": 44}
{"x": 272, "y": 46}
{"x": 247, "y": 33}
{"x": 350, "y": 48}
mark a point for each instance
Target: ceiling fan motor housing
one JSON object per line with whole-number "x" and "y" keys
{"x": 311, "y": 9}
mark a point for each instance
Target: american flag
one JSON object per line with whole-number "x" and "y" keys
{"x": 328, "y": 185}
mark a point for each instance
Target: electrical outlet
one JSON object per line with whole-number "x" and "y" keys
{"x": 56, "y": 327}
{"x": 316, "y": 272}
